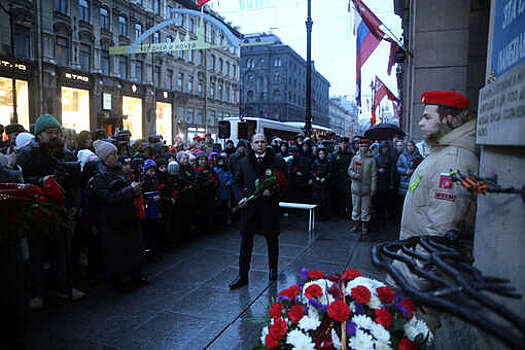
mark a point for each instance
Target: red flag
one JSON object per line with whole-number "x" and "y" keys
{"x": 380, "y": 91}
{"x": 202, "y": 2}
{"x": 394, "y": 48}
{"x": 372, "y": 22}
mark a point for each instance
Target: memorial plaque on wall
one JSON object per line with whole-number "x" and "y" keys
{"x": 501, "y": 110}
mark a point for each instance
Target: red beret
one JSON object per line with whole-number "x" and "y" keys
{"x": 207, "y": 134}
{"x": 364, "y": 141}
{"x": 445, "y": 98}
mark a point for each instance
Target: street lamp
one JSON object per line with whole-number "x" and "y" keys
{"x": 13, "y": 80}
{"x": 308, "y": 118}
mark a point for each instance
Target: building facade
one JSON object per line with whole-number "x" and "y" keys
{"x": 343, "y": 117}
{"x": 273, "y": 83}
{"x": 63, "y": 67}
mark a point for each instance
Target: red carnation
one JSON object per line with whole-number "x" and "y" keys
{"x": 291, "y": 292}
{"x": 275, "y": 310}
{"x": 313, "y": 291}
{"x": 361, "y": 294}
{"x": 386, "y": 295}
{"x": 407, "y": 344}
{"x": 351, "y": 274}
{"x": 271, "y": 342}
{"x": 410, "y": 307}
{"x": 278, "y": 329}
{"x": 296, "y": 313}
{"x": 314, "y": 274}
{"x": 339, "y": 311}
{"x": 384, "y": 317}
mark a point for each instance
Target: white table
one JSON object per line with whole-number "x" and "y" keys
{"x": 311, "y": 216}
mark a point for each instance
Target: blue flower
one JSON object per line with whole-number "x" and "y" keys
{"x": 304, "y": 274}
{"x": 350, "y": 328}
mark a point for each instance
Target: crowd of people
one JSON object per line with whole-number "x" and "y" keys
{"x": 132, "y": 200}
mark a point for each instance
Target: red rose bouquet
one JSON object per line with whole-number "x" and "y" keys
{"x": 342, "y": 311}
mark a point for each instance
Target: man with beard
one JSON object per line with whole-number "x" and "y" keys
{"x": 433, "y": 204}
{"x": 38, "y": 160}
{"x": 261, "y": 215}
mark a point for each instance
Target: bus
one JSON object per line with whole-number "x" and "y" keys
{"x": 318, "y": 132}
{"x": 249, "y": 126}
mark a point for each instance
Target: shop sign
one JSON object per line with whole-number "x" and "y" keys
{"x": 106, "y": 101}
{"x": 76, "y": 77}
{"x": 13, "y": 66}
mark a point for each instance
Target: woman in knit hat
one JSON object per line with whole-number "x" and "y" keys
{"x": 207, "y": 182}
{"x": 117, "y": 221}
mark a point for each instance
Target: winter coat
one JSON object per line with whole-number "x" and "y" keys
{"x": 321, "y": 169}
{"x": 262, "y": 215}
{"x": 225, "y": 178}
{"x": 365, "y": 168}
{"x": 405, "y": 162}
{"x": 301, "y": 164}
{"x": 340, "y": 179}
{"x": 117, "y": 221}
{"x": 385, "y": 169}
{"x": 434, "y": 205}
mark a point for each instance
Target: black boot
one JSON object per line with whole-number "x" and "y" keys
{"x": 239, "y": 282}
{"x": 273, "y": 274}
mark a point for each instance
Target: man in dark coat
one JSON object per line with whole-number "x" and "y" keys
{"x": 117, "y": 220}
{"x": 340, "y": 180}
{"x": 260, "y": 215}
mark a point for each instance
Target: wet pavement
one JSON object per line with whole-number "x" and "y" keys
{"x": 189, "y": 306}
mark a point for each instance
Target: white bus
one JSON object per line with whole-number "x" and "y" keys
{"x": 249, "y": 126}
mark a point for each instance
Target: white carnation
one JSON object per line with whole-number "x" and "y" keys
{"x": 416, "y": 327}
{"x": 309, "y": 323}
{"x": 363, "y": 321}
{"x": 361, "y": 341}
{"x": 325, "y": 284}
{"x": 380, "y": 333}
{"x": 264, "y": 333}
{"x": 375, "y": 302}
{"x": 381, "y": 345}
{"x": 336, "y": 341}
{"x": 300, "y": 341}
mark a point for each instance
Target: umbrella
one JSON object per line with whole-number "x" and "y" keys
{"x": 384, "y": 131}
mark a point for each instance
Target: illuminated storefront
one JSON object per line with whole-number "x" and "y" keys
{"x": 132, "y": 116}
{"x": 10, "y": 70}
{"x": 75, "y": 109}
{"x": 163, "y": 122}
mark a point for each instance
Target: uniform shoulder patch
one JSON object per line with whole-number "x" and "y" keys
{"x": 445, "y": 182}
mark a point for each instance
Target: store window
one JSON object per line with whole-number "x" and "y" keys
{"x": 83, "y": 10}
{"x": 123, "y": 67}
{"x": 122, "y": 26}
{"x": 75, "y": 109}
{"x": 163, "y": 122}
{"x": 132, "y": 115}
{"x": 85, "y": 57}
{"x": 62, "y": 51}
{"x": 104, "y": 62}
{"x": 22, "y": 42}
{"x": 104, "y": 18}
{"x": 6, "y": 101}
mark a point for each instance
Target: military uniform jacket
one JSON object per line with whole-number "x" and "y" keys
{"x": 365, "y": 166}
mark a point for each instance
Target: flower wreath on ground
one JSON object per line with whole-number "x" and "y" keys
{"x": 342, "y": 311}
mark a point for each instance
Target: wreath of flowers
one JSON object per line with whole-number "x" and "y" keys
{"x": 342, "y": 311}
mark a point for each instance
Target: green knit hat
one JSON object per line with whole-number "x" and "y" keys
{"x": 44, "y": 122}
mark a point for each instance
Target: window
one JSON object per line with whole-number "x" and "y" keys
{"x": 169, "y": 78}
{"x": 192, "y": 25}
{"x": 233, "y": 95}
{"x": 170, "y": 13}
{"x": 213, "y": 36}
{"x": 189, "y": 115}
{"x": 104, "y": 62}
{"x": 156, "y": 76}
{"x": 227, "y": 69}
{"x": 180, "y": 81}
{"x": 104, "y": 18}
{"x": 62, "y": 51}
{"x": 276, "y": 94}
{"x": 212, "y": 62}
{"x": 219, "y": 92}
{"x": 156, "y": 6}
{"x": 199, "y": 88}
{"x": 250, "y": 63}
{"x": 220, "y": 65}
{"x": 169, "y": 40}
{"x": 138, "y": 30}
{"x": 122, "y": 26}
{"x": 200, "y": 117}
{"x": 22, "y": 41}
{"x": 190, "y": 56}
{"x": 180, "y": 54}
{"x": 250, "y": 95}
{"x": 212, "y": 90}
{"x": 277, "y": 62}
{"x": 212, "y": 118}
{"x": 138, "y": 71}
{"x": 234, "y": 70}
{"x": 190, "y": 85}
{"x": 83, "y": 10}
{"x": 277, "y": 78}
{"x": 156, "y": 37}
{"x": 85, "y": 57}
{"x": 227, "y": 93}
{"x": 123, "y": 67}
{"x": 201, "y": 57}
{"x": 62, "y": 6}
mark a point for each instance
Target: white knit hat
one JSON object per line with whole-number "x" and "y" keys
{"x": 23, "y": 139}
{"x": 84, "y": 156}
{"x": 173, "y": 168}
{"x": 104, "y": 149}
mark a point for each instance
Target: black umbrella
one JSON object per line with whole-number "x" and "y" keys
{"x": 384, "y": 131}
